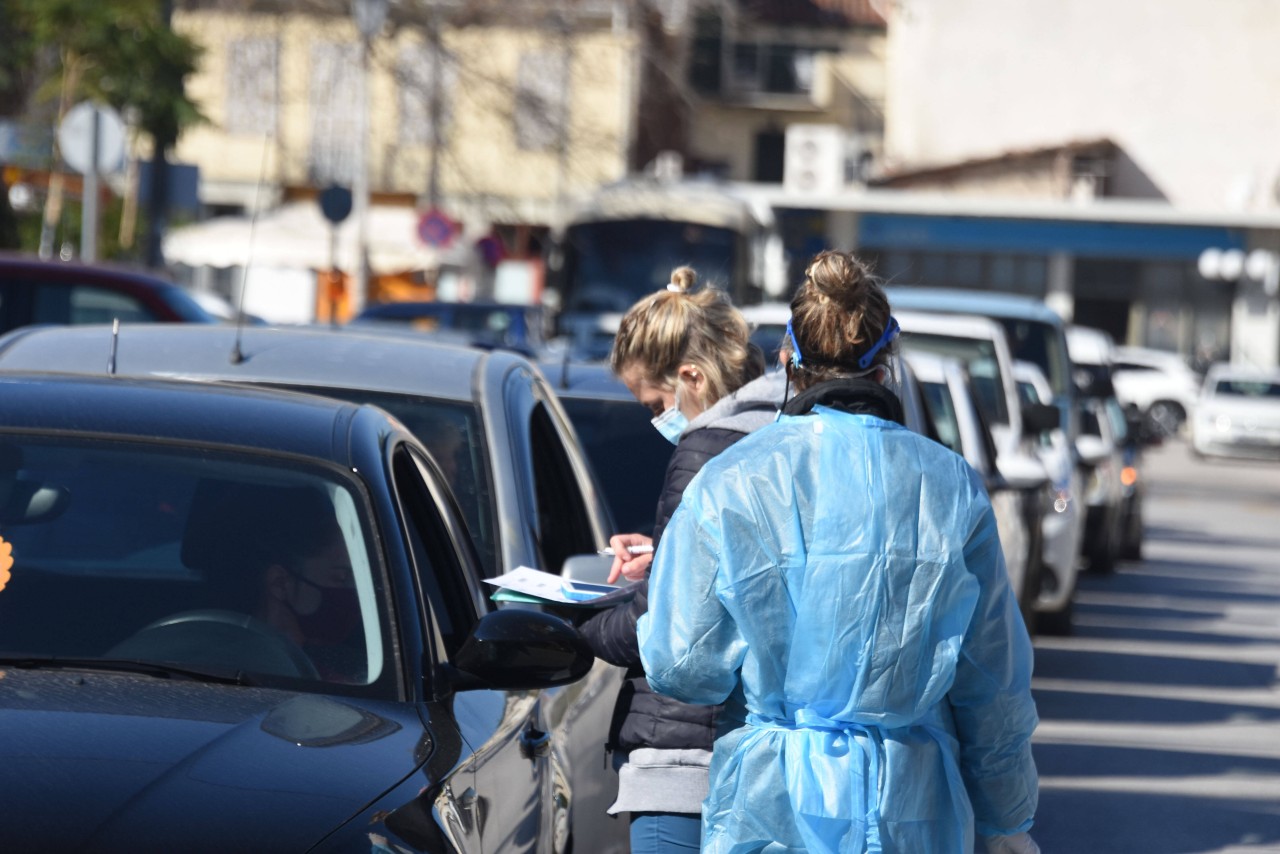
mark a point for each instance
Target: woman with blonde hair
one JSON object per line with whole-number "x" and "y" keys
{"x": 841, "y": 578}
{"x": 684, "y": 353}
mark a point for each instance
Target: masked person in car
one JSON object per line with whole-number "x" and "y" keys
{"x": 306, "y": 590}
{"x": 838, "y": 580}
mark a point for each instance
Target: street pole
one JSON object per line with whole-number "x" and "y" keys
{"x": 360, "y": 181}
{"x": 89, "y": 194}
{"x": 369, "y": 16}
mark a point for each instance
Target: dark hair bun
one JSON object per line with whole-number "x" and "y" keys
{"x": 841, "y": 278}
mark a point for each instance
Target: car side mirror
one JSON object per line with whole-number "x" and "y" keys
{"x": 1040, "y": 417}
{"x": 519, "y": 650}
{"x": 1021, "y": 472}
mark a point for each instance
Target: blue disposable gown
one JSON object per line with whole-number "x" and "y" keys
{"x": 839, "y": 580}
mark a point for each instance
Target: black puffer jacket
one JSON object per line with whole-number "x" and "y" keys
{"x": 642, "y": 717}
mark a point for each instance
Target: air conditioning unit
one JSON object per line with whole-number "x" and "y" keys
{"x": 814, "y": 159}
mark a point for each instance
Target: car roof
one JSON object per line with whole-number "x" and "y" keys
{"x": 1089, "y": 346}
{"x": 413, "y": 308}
{"x": 585, "y": 379}
{"x": 767, "y": 312}
{"x": 45, "y": 268}
{"x": 964, "y": 325}
{"x": 293, "y": 355}
{"x": 989, "y": 303}
{"x": 205, "y": 414}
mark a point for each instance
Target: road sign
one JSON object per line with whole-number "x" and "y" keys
{"x": 437, "y": 228}
{"x": 76, "y": 138}
{"x": 335, "y": 203}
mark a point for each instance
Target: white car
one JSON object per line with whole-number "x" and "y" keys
{"x": 1064, "y": 526}
{"x": 1159, "y": 384}
{"x": 981, "y": 345}
{"x": 1238, "y": 413}
{"x": 958, "y": 424}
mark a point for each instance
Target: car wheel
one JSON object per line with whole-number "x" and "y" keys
{"x": 1132, "y": 548}
{"x": 1102, "y": 552}
{"x": 1165, "y": 418}
{"x": 1056, "y": 623}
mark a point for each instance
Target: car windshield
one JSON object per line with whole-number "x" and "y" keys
{"x": 454, "y": 435}
{"x": 1043, "y": 345}
{"x": 631, "y": 481}
{"x": 232, "y": 567}
{"x": 610, "y": 265}
{"x": 1247, "y": 388}
{"x": 979, "y": 357}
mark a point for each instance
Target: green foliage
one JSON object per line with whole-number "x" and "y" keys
{"x": 122, "y": 53}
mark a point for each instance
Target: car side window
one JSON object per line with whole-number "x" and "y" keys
{"x": 439, "y": 571}
{"x": 75, "y": 304}
{"x": 564, "y": 523}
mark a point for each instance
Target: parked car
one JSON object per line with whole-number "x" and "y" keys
{"x": 1064, "y": 526}
{"x": 1238, "y": 413}
{"x": 1158, "y": 385}
{"x": 34, "y": 291}
{"x": 959, "y": 425}
{"x": 629, "y": 457}
{"x": 490, "y": 419}
{"x": 1113, "y": 493}
{"x": 485, "y": 324}
{"x": 152, "y": 700}
{"x": 768, "y": 322}
{"x": 980, "y": 345}
{"x": 1036, "y": 334}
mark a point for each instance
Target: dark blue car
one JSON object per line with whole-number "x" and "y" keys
{"x": 238, "y": 619}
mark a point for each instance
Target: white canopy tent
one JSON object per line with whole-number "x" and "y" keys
{"x": 297, "y": 236}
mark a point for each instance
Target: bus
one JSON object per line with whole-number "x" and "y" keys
{"x": 622, "y": 243}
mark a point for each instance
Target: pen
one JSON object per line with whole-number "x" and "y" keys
{"x": 635, "y": 550}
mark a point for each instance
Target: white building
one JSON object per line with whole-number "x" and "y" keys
{"x": 1185, "y": 88}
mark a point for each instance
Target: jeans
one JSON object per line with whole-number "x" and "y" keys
{"x": 659, "y": 832}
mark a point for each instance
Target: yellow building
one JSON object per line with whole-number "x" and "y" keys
{"x": 529, "y": 110}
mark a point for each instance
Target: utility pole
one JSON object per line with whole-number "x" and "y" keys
{"x": 435, "y": 106}
{"x": 369, "y": 15}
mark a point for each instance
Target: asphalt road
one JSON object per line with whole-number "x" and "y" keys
{"x": 1160, "y": 715}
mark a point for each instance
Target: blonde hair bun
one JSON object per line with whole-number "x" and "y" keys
{"x": 683, "y": 280}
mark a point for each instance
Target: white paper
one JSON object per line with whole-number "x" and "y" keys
{"x": 544, "y": 585}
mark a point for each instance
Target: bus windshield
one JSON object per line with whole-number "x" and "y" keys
{"x": 610, "y": 265}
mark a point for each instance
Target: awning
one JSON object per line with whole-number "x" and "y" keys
{"x": 297, "y": 235}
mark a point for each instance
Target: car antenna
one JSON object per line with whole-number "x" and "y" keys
{"x": 564, "y": 370}
{"x": 237, "y": 355}
{"x": 115, "y": 345}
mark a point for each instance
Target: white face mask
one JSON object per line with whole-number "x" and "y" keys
{"x": 671, "y": 422}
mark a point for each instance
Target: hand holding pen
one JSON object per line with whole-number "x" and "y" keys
{"x": 632, "y": 555}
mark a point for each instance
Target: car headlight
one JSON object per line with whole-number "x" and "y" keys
{"x": 1222, "y": 423}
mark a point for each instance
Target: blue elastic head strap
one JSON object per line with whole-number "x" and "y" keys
{"x": 890, "y": 332}
{"x": 796, "y": 358}
{"x": 864, "y": 361}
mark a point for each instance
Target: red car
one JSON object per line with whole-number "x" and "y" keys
{"x": 36, "y": 291}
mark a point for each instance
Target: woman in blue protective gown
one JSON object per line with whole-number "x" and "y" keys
{"x": 837, "y": 581}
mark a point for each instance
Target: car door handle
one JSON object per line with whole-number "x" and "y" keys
{"x": 467, "y": 800}
{"x": 535, "y": 743}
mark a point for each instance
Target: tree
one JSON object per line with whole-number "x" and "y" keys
{"x": 122, "y": 54}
